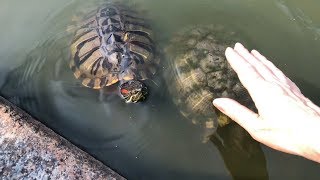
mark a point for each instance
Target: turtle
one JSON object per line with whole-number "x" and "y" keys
{"x": 198, "y": 72}
{"x": 114, "y": 44}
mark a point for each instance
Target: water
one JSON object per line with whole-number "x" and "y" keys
{"x": 152, "y": 140}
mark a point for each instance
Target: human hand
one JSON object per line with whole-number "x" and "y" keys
{"x": 286, "y": 121}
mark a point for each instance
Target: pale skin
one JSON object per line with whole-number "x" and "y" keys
{"x": 286, "y": 120}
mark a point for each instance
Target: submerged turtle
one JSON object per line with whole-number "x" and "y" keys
{"x": 113, "y": 43}
{"x": 200, "y": 73}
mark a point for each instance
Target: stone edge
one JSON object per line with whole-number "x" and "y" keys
{"x": 29, "y": 149}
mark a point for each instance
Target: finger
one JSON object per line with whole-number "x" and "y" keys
{"x": 247, "y": 74}
{"x": 291, "y": 88}
{"x": 268, "y": 63}
{"x": 254, "y": 82}
{"x": 277, "y": 72}
{"x": 239, "y": 113}
{"x": 260, "y": 67}
{"x": 271, "y": 74}
{"x": 312, "y": 105}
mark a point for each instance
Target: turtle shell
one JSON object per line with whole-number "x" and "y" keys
{"x": 112, "y": 43}
{"x": 200, "y": 73}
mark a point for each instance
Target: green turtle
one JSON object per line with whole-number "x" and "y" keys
{"x": 114, "y": 44}
{"x": 199, "y": 72}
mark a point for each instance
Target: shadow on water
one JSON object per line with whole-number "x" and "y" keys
{"x": 242, "y": 155}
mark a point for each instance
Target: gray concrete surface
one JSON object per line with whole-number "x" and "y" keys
{"x": 30, "y": 150}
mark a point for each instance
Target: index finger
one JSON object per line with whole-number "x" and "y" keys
{"x": 248, "y": 75}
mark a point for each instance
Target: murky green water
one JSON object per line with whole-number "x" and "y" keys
{"x": 152, "y": 140}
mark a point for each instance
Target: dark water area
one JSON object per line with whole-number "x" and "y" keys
{"x": 152, "y": 140}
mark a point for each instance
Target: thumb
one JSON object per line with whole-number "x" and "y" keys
{"x": 237, "y": 112}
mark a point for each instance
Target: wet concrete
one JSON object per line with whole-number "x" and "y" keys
{"x": 30, "y": 150}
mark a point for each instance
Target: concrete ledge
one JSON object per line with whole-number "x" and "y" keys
{"x": 30, "y": 150}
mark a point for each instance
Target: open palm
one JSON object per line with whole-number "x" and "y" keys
{"x": 286, "y": 119}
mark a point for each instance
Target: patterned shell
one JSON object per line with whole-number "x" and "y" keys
{"x": 112, "y": 43}
{"x": 200, "y": 73}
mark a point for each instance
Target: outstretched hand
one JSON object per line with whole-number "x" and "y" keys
{"x": 287, "y": 121}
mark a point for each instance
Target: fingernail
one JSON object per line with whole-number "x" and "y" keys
{"x": 253, "y": 51}
{"x": 217, "y": 103}
{"x": 228, "y": 50}
{"x": 238, "y": 45}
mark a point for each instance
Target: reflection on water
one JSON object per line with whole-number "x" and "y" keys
{"x": 298, "y": 16}
{"x": 151, "y": 140}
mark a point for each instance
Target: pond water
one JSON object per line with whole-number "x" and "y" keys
{"x": 152, "y": 140}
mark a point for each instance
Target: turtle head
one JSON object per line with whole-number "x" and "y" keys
{"x": 133, "y": 91}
